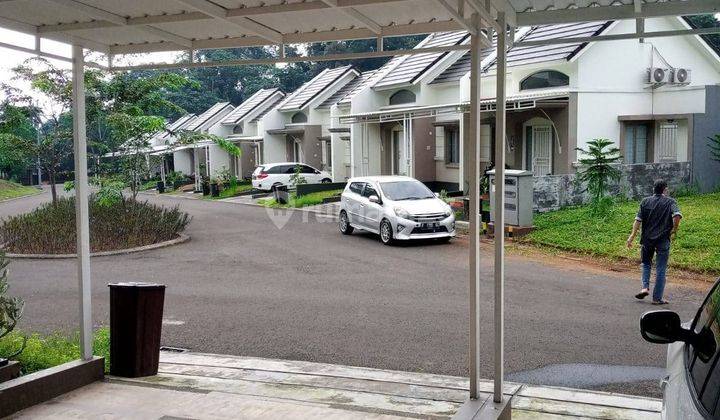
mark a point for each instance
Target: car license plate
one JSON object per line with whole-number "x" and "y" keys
{"x": 429, "y": 225}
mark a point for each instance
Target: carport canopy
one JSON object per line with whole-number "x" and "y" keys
{"x": 118, "y": 27}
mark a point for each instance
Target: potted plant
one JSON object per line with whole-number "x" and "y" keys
{"x": 10, "y": 312}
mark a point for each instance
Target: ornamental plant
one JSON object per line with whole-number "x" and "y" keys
{"x": 11, "y": 308}
{"x": 597, "y": 167}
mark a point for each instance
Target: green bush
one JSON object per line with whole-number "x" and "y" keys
{"x": 311, "y": 199}
{"x": 125, "y": 223}
{"x": 42, "y": 352}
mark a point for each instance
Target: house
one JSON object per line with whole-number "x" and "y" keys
{"x": 243, "y": 126}
{"x": 298, "y": 128}
{"x": 412, "y": 119}
{"x": 204, "y": 158}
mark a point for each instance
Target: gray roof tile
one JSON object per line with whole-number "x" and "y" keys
{"x": 249, "y": 105}
{"x": 313, "y": 88}
{"x": 348, "y": 90}
{"x": 269, "y": 108}
{"x": 413, "y": 66}
{"x": 207, "y": 115}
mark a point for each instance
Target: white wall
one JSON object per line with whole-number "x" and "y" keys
{"x": 340, "y": 148}
{"x": 273, "y": 145}
{"x": 183, "y": 161}
{"x": 219, "y": 159}
{"x": 366, "y": 142}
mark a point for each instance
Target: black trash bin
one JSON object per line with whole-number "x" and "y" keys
{"x": 280, "y": 194}
{"x": 136, "y": 311}
{"x": 160, "y": 187}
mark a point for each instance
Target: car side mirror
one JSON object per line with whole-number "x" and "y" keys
{"x": 661, "y": 327}
{"x": 437, "y": 195}
{"x": 317, "y": 172}
{"x": 374, "y": 199}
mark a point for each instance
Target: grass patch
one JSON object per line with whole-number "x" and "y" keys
{"x": 50, "y": 228}
{"x": 232, "y": 191}
{"x": 311, "y": 199}
{"x": 696, "y": 248}
{"x": 44, "y": 352}
{"x": 9, "y": 189}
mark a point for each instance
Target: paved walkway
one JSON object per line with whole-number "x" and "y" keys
{"x": 199, "y": 386}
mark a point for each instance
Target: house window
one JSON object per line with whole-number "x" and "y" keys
{"x": 667, "y": 142}
{"x": 544, "y": 79}
{"x": 452, "y": 145}
{"x": 298, "y": 117}
{"x": 238, "y": 129}
{"x": 402, "y": 97}
{"x": 636, "y": 142}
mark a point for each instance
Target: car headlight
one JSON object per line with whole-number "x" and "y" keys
{"x": 448, "y": 211}
{"x": 402, "y": 213}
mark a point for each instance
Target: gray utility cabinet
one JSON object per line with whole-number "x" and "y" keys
{"x": 518, "y": 197}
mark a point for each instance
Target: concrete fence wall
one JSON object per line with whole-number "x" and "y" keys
{"x": 553, "y": 192}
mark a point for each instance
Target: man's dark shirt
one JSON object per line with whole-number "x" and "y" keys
{"x": 656, "y": 214}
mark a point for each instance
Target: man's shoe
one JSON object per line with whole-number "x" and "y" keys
{"x": 660, "y": 302}
{"x": 642, "y": 295}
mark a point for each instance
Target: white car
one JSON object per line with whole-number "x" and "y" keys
{"x": 267, "y": 176}
{"x": 396, "y": 208}
{"x": 691, "y": 391}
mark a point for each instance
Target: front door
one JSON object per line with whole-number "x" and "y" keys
{"x": 541, "y": 145}
{"x": 397, "y": 141}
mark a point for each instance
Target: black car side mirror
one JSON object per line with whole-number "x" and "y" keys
{"x": 664, "y": 327}
{"x": 661, "y": 327}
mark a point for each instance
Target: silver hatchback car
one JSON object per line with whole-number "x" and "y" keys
{"x": 396, "y": 208}
{"x": 691, "y": 391}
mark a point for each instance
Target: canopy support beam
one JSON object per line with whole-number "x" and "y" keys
{"x": 499, "y": 266}
{"x": 82, "y": 215}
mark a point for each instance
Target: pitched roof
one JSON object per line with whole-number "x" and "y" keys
{"x": 272, "y": 105}
{"x": 410, "y": 68}
{"x": 207, "y": 115}
{"x": 177, "y": 125}
{"x": 317, "y": 85}
{"x": 348, "y": 90}
{"x": 249, "y": 105}
{"x": 518, "y": 56}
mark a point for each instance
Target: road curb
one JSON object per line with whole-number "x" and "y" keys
{"x": 182, "y": 238}
{"x": 7, "y": 200}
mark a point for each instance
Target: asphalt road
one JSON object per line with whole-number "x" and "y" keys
{"x": 305, "y": 292}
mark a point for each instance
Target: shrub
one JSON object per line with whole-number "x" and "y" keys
{"x": 121, "y": 224}
{"x": 11, "y": 308}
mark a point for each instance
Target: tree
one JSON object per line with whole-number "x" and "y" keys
{"x": 596, "y": 167}
{"x": 53, "y": 150}
{"x": 137, "y": 130}
{"x": 16, "y": 124}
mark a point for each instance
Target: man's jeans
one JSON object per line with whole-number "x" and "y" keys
{"x": 662, "y": 249}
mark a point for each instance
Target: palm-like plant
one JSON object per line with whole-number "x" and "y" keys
{"x": 714, "y": 145}
{"x": 596, "y": 167}
{"x": 11, "y": 308}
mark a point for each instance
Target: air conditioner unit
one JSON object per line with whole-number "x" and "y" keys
{"x": 681, "y": 76}
{"x": 658, "y": 75}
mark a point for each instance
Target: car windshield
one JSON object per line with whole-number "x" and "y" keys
{"x": 406, "y": 190}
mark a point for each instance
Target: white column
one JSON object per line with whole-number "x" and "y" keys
{"x": 499, "y": 274}
{"x": 81, "y": 202}
{"x": 473, "y": 141}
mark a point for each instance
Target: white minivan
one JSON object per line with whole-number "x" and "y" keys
{"x": 270, "y": 175}
{"x": 691, "y": 390}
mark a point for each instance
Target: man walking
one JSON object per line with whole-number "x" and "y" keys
{"x": 659, "y": 217}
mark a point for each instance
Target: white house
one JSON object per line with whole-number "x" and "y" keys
{"x": 298, "y": 128}
{"x": 411, "y": 119}
{"x": 243, "y": 127}
{"x": 205, "y": 158}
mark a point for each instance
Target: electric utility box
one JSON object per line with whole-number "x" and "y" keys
{"x": 518, "y": 197}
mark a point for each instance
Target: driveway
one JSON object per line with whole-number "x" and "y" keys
{"x": 304, "y": 292}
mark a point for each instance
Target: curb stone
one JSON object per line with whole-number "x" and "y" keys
{"x": 180, "y": 239}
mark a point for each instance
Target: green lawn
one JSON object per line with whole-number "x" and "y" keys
{"x": 228, "y": 192}
{"x": 10, "y": 189}
{"x": 43, "y": 352}
{"x": 696, "y": 248}
{"x": 304, "y": 201}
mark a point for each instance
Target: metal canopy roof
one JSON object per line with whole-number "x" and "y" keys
{"x": 137, "y": 26}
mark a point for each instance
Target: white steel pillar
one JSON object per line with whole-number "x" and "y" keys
{"x": 473, "y": 142}
{"x": 499, "y": 270}
{"x": 81, "y": 202}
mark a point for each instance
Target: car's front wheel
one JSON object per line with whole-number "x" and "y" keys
{"x": 326, "y": 181}
{"x": 344, "y": 224}
{"x": 386, "y": 232}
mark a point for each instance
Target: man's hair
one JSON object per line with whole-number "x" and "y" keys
{"x": 659, "y": 186}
